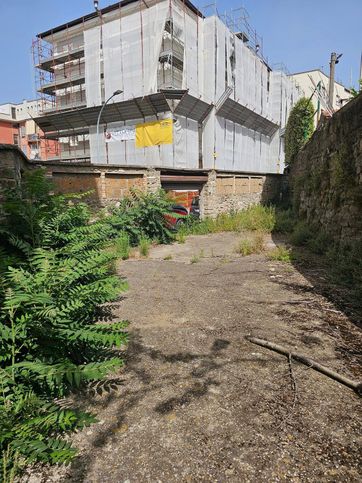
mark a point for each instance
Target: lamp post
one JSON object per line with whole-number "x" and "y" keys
{"x": 115, "y": 93}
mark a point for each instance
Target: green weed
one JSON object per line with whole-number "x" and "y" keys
{"x": 197, "y": 258}
{"x": 168, "y": 257}
{"x": 280, "y": 254}
{"x": 122, "y": 245}
{"x": 248, "y": 246}
{"x": 144, "y": 246}
{"x": 255, "y": 218}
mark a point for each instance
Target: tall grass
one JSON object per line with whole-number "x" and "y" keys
{"x": 123, "y": 246}
{"x": 255, "y": 218}
{"x": 248, "y": 246}
{"x": 144, "y": 246}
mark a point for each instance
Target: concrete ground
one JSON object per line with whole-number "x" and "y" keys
{"x": 197, "y": 402}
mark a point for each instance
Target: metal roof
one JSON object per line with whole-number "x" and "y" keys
{"x": 193, "y": 108}
{"x": 188, "y": 106}
{"x": 235, "y": 112}
{"x": 137, "y": 108}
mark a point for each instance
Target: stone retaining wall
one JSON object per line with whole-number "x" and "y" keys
{"x": 326, "y": 177}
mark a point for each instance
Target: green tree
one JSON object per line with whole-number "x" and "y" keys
{"x": 300, "y": 127}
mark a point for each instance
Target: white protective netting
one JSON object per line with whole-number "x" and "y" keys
{"x": 92, "y": 40}
{"x": 214, "y": 59}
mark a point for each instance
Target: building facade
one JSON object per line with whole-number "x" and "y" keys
{"x": 17, "y": 126}
{"x": 315, "y": 85}
{"x": 196, "y": 91}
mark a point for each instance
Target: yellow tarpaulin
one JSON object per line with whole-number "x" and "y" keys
{"x": 154, "y": 133}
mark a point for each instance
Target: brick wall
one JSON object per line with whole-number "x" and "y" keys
{"x": 106, "y": 184}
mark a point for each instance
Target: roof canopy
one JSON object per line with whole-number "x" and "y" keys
{"x": 137, "y": 108}
{"x": 235, "y": 112}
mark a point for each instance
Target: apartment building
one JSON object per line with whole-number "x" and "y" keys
{"x": 315, "y": 85}
{"x": 196, "y": 91}
{"x": 17, "y": 126}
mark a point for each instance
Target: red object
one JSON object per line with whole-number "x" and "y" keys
{"x": 181, "y": 213}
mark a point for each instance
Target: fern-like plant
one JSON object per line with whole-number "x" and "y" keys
{"x": 54, "y": 277}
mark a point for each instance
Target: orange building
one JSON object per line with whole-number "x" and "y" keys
{"x": 18, "y": 127}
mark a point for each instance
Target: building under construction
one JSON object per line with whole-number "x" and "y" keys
{"x": 197, "y": 93}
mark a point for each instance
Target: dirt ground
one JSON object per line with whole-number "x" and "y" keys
{"x": 197, "y": 402}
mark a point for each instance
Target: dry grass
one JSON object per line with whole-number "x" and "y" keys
{"x": 250, "y": 245}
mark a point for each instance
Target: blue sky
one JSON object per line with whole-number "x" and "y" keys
{"x": 299, "y": 33}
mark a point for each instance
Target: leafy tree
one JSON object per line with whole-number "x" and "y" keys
{"x": 300, "y": 127}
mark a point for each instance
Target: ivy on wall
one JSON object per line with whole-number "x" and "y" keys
{"x": 300, "y": 127}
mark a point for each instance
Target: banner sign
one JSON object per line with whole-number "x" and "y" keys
{"x": 124, "y": 133}
{"x": 154, "y": 133}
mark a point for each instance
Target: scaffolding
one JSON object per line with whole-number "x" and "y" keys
{"x": 60, "y": 85}
{"x": 225, "y": 99}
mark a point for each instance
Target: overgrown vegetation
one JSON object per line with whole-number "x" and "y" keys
{"x": 280, "y": 254}
{"x": 299, "y": 128}
{"x": 250, "y": 245}
{"x": 342, "y": 262}
{"x": 255, "y": 218}
{"x": 55, "y": 274}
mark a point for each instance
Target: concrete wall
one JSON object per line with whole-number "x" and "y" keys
{"x": 326, "y": 177}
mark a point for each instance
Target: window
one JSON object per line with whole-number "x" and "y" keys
{"x": 13, "y": 112}
{"x": 16, "y": 139}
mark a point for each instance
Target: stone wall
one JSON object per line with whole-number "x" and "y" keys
{"x": 326, "y": 177}
{"x": 225, "y": 192}
{"x": 221, "y": 193}
{"x": 12, "y": 163}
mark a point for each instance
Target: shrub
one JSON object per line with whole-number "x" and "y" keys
{"x": 56, "y": 276}
{"x": 143, "y": 215}
{"x": 299, "y": 128}
{"x": 301, "y": 234}
{"x": 280, "y": 254}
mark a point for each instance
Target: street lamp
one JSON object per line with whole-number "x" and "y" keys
{"x": 115, "y": 93}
